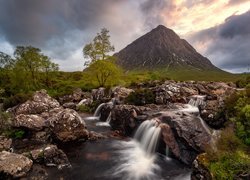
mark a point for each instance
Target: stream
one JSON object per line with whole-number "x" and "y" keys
{"x": 116, "y": 158}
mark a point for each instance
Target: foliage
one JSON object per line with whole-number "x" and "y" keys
{"x": 5, "y": 121}
{"x": 84, "y": 108}
{"x": 105, "y": 72}
{"x": 15, "y": 100}
{"x": 241, "y": 83}
{"x": 229, "y": 159}
{"x": 141, "y": 97}
{"x": 99, "y": 48}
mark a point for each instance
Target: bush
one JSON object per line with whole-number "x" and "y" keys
{"x": 15, "y": 100}
{"x": 84, "y": 108}
{"x": 141, "y": 97}
{"x": 229, "y": 159}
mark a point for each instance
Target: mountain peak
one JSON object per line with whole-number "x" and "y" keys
{"x": 162, "y": 48}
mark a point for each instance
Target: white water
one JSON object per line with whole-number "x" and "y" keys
{"x": 138, "y": 157}
{"x": 106, "y": 123}
{"x": 98, "y": 110}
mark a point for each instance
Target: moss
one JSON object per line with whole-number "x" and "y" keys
{"x": 141, "y": 97}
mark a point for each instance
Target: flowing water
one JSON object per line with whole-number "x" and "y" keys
{"x": 121, "y": 159}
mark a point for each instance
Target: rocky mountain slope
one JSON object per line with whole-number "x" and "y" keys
{"x": 162, "y": 48}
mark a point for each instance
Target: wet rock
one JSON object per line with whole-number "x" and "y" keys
{"x": 50, "y": 155}
{"x": 124, "y": 117}
{"x": 199, "y": 170}
{"x": 31, "y": 122}
{"x": 69, "y": 105}
{"x": 189, "y": 133}
{"x": 105, "y": 111}
{"x": 93, "y": 136}
{"x": 14, "y": 165}
{"x": 5, "y": 143}
{"x": 77, "y": 95}
{"x": 67, "y": 125}
{"x": 40, "y": 102}
{"x": 169, "y": 139}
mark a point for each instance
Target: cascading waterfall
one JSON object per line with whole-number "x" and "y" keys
{"x": 97, "y": 114}
{"x": 192, "y": 107}
{"x": 138, "y": 155}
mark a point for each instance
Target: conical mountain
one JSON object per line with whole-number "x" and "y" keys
{"x": 162, "y": 48}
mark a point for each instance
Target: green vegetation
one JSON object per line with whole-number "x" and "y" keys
{"x": 141, "y": 97}
{"x": 230, "y": 159}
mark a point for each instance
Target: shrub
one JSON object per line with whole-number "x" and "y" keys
{"x": 141, "y": 97}
{"x": 229, "y": 159}
{"x": 15, "y": 100}
{"x": 84, "y": 108}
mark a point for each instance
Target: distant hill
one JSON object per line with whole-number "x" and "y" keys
{"x": 162, "y": 48}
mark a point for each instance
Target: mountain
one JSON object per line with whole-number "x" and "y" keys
{"x": 162, "y": 48}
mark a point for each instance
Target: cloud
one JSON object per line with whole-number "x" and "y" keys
{"x": 227, "y": 44}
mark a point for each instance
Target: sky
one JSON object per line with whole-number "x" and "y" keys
{"x": 218, "y": 29}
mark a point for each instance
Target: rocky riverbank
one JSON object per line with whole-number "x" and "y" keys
{"x": 47, "y": 124}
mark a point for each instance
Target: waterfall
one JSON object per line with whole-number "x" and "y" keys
{"x": 197, "y": 100}
{"x": 98, "y": 110}
{"x": 138, "y": 160}
{"x": 147, "y": 135}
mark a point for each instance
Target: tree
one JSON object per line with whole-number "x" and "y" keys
{"x": 105, "y": 72}
{"x": 99, "y": 48}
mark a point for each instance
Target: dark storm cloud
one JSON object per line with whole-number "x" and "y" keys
{"x": 36, "y": 21}
{"x": 227, "y": 44}
{"x": 152, "y": 11}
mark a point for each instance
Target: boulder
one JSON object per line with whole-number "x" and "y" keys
{"x": 5, "y": 143}
{"x": 120, "y": 93}
{"x": 69, "y": 105}
{"x": 212, "y": 114}
{"x": 49, "y": 155}
{"x": 67, "y": 125}
{"x": 31, "y": 122}
{"x": 125, "y": 117}
{"x": 14, "y": 165}
{"x": 40, "y": 102}
{"x": 188, "y": 132}
{"x": 99, "y": 94}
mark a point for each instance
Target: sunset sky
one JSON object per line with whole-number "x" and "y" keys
{"x": 218, "y": 29}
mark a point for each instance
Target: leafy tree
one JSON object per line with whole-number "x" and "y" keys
{"x": 105, "y": 72}
{"x": 99, "y": 48}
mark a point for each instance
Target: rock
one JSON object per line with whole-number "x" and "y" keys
{"x": 169, "y": 139}
{"x": 212, "y": 114}
{"x": 199, "y": 170}
{"x": 31, "y": 122}
{"x": 187, "y": 91}
{"x": 121, "y": 93}
{"x": 69, "y": 105}
{"x": 77, "y": 95}
{"x": 95, "y": 136}
{"x": 105, "y": 111}
{"x": 124, "y": 117}
{"x": 98, "y": 94}
{"x": 50, "y": 155}
{"x": 41, "y": 102}
{"x": 14, "y": 165}
{"x": 189, "y": 134}
{"x": 5, "y": 143}
{"x": 67, "y": 125}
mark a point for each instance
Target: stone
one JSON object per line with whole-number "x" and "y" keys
{"x": 188, "y": 133}
{"x": 5, "y": 143}
{"x": 69, "y": 105}
{"x": 124, "y": 117}
{"x": 67, "y": 125}
{"x": 50, "y": 155}
{"x": 31, "y": 122}
{"x": 121, "y": 93}
{"x": 40, "y": 102}
{"x": 14, "y": 165}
